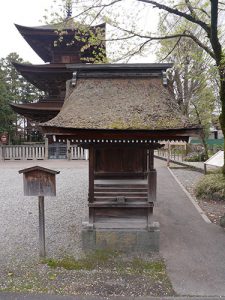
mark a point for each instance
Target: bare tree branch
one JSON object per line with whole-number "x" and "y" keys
{"x": 177, "y": 12}
{"x": 203, "y": 46}
{"x": 119, "y": 38}
{"x": 202, "y": 10}
{"x": 173, "y": 48}
{"x": 191, "y": 9}
{"x": 101, "y": 6}
{"x": 186, "y": 34}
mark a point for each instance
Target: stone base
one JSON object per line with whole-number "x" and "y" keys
{"x": 126, "y": 240}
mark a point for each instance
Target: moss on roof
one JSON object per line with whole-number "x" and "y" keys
{"x": 119, "y": 103}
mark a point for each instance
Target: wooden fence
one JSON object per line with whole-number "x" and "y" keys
{"x": 173, "y": 151}
{"x": 22, "y": 152}
{"x": 41, "y": 151}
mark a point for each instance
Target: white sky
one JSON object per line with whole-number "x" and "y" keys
{"x": 29, "y": 13}
{"x": 22, "y": 12}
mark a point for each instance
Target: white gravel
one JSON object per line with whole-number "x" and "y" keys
{"x": 63, "y": 214}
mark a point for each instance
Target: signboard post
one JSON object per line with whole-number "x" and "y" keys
{"x": 42, "y": 252}
{"x": 39, "y": 181}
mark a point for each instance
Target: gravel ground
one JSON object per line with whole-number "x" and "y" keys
{"x": 63, "y": 215}
{"x": 21, "y": 270}
{"x": 189, "y": 177}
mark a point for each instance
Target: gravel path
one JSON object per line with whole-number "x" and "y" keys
{"x": 63, "y": 213}
{"x": 20, "y": 269}
{"x": 189, "y": 177}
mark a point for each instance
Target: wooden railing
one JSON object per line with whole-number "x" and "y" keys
{"x": 42, "y": 151}
{"x": 78, "y": 153}
{"x": 172, "y": 151}
{"x": 22, "y": 152}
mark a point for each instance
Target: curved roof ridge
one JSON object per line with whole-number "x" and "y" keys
{"x": 53, "y": 27}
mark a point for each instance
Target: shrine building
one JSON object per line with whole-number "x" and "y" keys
{"x": 121, "y": 113}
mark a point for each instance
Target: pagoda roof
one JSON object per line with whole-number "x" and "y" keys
{"x": 41, "y": 111}
{"x": 41, "y": 38}
{"x": 121, "y": 103}
{"x": 119, "y": 70}
{"x": 44, "y": 76}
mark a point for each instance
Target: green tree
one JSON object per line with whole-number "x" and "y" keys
{"x": 207, "y": 16}
{"x": 201, "y": 109}
{"x": 191, "y": 77}
{"x": 19, "y": 90}
{"x": 7, "y": 117}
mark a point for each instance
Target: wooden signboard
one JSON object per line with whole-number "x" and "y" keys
{"x": 39, "y": 181}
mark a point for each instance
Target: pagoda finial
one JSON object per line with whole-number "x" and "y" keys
{"x": 68, "y": 9}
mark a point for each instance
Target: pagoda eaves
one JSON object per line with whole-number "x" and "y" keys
{"x": 42, "y": 40}
{"x": 46, "y": 77}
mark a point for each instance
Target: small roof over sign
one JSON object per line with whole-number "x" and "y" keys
{"x": 40, "y": 169}
{"x": 216, "y": 160}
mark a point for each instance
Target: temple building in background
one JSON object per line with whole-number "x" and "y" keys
{"x": 51, "y": 77}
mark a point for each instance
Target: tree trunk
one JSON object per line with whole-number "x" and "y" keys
{"x": 222, "y": 115}
{"x": 205, "y": 145}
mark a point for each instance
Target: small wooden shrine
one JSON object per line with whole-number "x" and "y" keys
{"x": 120, "y": 112}
{"x": 51, "y": 77}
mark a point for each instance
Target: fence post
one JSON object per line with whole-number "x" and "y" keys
{"x": 1, "y": 153}
{"x": 68, "y": 150}
{"x": 86, "y": 154}
{"x": 168, "y": 154}
{"x": 46, "y": 149}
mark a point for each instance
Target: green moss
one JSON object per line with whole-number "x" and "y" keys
{"x": 141, "y": 266}
{"x": 211, "y": 186}
{"x": 120, "y": 124}
{"x": 107, "y": 264}
{"x": 89, "y": 262}
{"x": 137, "y": 123}
{"x": 167, "y": 123}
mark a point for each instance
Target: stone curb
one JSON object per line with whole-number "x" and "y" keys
{"x": 201, "y": 170}
{"x": 16, "y": 296}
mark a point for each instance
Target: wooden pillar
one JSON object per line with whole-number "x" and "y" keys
{"x": 46, "y": 148}
{"x": 149, "y": 216}
{"x": 91, "y": 184}
{"x": 151, "y": 159}
{"x": 205, "y": 169}
{"x": 91, "y": 174}
{"x": 168, "y": 154}
{"x": 68, "y": 150}
{"x": 152, "y": 182}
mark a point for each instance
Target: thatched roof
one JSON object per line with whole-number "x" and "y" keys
{"x": 119, "y": 103}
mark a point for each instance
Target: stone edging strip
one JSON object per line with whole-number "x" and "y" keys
{"x": 205, "y": 218}
{"x": 181, "y": 163}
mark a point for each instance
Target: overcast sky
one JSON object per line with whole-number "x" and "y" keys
{"x": 30, "y": 13}
{"x": 23, "y": 12}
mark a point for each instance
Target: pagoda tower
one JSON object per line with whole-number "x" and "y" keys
{"x": 57, "y": 45}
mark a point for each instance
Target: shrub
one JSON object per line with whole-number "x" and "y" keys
{"x": 195, "y": 156}
{"x": 211, "y": 186}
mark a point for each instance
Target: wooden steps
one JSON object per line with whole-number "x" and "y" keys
{"x": 120, "y": 193}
